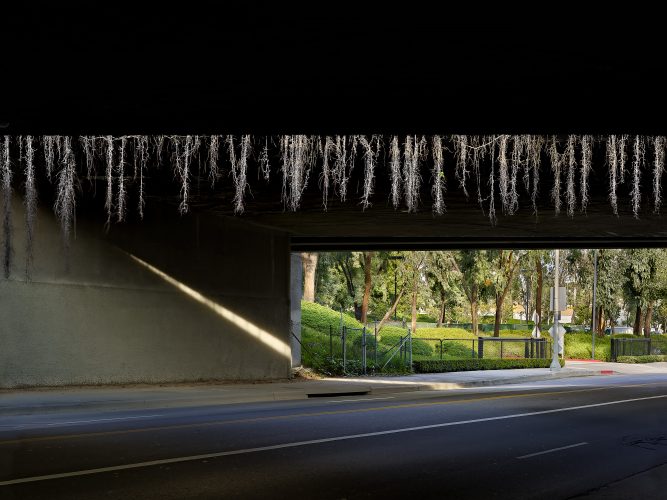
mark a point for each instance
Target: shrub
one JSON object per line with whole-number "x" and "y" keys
{"x": 318, "y": 317}
{"x": 425, "y": 318}
{"x": 460, "y": 365}
{"x": 652, "y": 358}
{"x": 443, "y": 333}
{"x": 421, "y": 348}
{"x": 454, "y": 350}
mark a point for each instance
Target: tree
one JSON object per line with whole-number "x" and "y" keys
{"x": 644, "y": 284}
{"x": 367, "y": 265}
{"x": 472, "y": 265}
{"x": 309, "y": 260}
{"x": 443, "y": 279}
{"x": 505, "y": 264}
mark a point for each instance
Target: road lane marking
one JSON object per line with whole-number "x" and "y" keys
{"x": 205, "y": 456}
{"x": 552, "y": 450}
{"x": 360, "y": 399}
{"x": 304, "y": 415}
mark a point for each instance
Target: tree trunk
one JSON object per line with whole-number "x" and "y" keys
{"x": 598, "y": 322}
{"x": 473, "y": 310}
{"x": 647, "y": 320}
{"x": 496, "y": 324}
{"x": 309, "y": 261}
{"x": 357, "y": 311}
{"x": 538, "y": 292}
{"x": 441, "y": 318}
{"x": 368, "y": 259}
{"x": 413, "y": 325}
{"x": 391, "y": 310}
{"x": 636, "y": 329}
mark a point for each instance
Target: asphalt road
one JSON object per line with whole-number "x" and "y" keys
{"x": 557, "y": 439}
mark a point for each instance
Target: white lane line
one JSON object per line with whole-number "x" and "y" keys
{"x": 552, "y": 450}
{"x": 360, "y": 399}
{"x": 206, "y": 456}
{"x": 38, "y": 425}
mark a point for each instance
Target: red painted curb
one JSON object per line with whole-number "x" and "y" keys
{"x": 606, "y": 372}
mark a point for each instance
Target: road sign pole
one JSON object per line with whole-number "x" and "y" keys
{"x": 595, "y": 285}
{"x": 555, "y": 364}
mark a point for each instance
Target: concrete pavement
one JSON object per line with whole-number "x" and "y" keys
{"x": 18, "y": 402}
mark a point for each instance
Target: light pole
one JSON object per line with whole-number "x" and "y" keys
{"x": 595, "y": 286}
{"x": 555, "y": 364}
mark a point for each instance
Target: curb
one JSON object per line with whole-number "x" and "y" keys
{"x": 292, "y": 394}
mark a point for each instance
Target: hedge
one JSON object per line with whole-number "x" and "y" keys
{"x": 652, "y": 358}
{"x": 461, "y": 365}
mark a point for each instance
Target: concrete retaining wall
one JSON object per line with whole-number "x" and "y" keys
{"x": 111, "y": 319}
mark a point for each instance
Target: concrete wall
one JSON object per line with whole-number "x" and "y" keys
{"x": 110, "y": 319}
{"x": 296, "y": 292}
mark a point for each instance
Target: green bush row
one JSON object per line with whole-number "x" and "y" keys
{"x": 461, "y": 365}
{"x": 652, "y": 358}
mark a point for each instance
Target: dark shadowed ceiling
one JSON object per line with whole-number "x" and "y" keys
{"x": 343, "y": 68}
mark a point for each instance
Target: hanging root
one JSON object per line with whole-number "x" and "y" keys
{"x": 370, "y": 158}
{"x": 395, "y": 171}
{"x": 122, "y": 194}
{"x": 503, "y": 174}
{"x": 65, "y": 204}
{"x": 492, "y": 181}
{"x": 30, "y": 202}
{"x": 586, "y": 142}
{"x": 570, "y": 195}
{"x": 557, "y": 160}
{"x": 658, "y": 169}
{"x": 50, "y": 142}
{"x": 478, "y": 147}
{"x": 141, "y": 150}
{"x": 461, "y": 156}
{"x": 264, "y": 164}
{"x": 6, "y": 180}
{"x": 638, "y": 152}
{"x": 88, "y": 145}
{"x": 612, "y": 162}
{"x": 298, "y": 154}
{"x": 413, "y": 151}
{"x": 534, "y": 161}
{"x": 340, "y": 171}
{"x": 239, "y": 169}
{"x": 325, "y": 177}
{"x": 108, "y": 204}
{"x": 213, "y": 153}
{"x": 438, "y": 175}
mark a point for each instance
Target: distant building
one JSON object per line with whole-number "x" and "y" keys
{"x": 519, "y": 312}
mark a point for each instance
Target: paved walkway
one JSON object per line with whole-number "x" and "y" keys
{"x": 17, "y": 402}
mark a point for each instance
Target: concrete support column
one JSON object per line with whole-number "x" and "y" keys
{"x": 296, "y": 292}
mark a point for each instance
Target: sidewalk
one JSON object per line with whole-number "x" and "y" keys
{"x": 109, "y": 398}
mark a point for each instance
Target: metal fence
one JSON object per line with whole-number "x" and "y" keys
{"x": 490, "y": 347}
{"x": 360, "y": 346}
{"x": 513, "y": 347}
{"x": 630, "y": 347}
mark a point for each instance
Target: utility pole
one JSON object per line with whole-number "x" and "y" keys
{"x": 595, "y": 285}
{"x": 555, "y": 364}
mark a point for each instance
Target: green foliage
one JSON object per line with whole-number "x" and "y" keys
{"x": 456, "y": 350}
{"x": 425, "y": 318}
{"x": 421, "y": 348}
{"x": 652, "y": 358}
{"x": 578, "y": 346}
{"x": 444, "y": 333}
{"x": 460, "y": 365}
{"x": 320, "y": 317}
